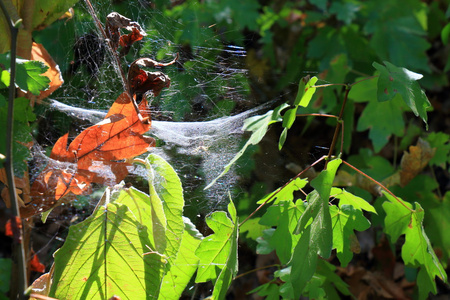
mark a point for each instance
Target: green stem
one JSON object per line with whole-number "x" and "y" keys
{"x": 19, "y": 249}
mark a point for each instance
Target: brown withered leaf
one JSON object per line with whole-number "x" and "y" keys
{"x": 141, "y": 81}
{"x": 115, "y": 22}
{"x": 415, "y": 161}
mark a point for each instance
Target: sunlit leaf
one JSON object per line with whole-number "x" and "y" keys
{"x": 345, "y": 219}
{"x": 103, "y": 256}
{"x": 285, "y": 193}
{"x": 215, "y": 250}
{"x": 417, "y": 251}
{"x": 394, "y": 80}
{"x": 185, "y": 265}
{"x": 346, "y": 198}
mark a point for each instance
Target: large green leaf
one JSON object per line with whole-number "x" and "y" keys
{"x": 394, "y": 80}
{"x": 167, "y": 185}
{"x": 185, "y": 265}
{"x": 217, "y": 260}
{"x": 104, "y": 256}
{"x": 316, "y": 238}
{"x": 345, "y": 220}
{"x": 259, "y": 126}
{"x": 417, "y": 251}
{"x": 46, "y": 12}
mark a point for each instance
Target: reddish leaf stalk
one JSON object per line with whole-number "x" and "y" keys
{"x": 19, "y": 248}
{"x": 338, "y": 127}
{"x": 379, "y": 184}
{"x": 279, "y": 189}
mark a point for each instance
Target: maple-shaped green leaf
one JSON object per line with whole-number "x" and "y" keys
{"x": 258, "y": 125}
{"x": 394, "y": 80}
{"x": 440, "y": 141}
{"x": 345, "y": 219}
{"x": 417, "y": 251}
{"x": 285, "y": 193}
{"x": 185, "y": 265}
{"x": 28, "y": 76}
{"x": 253, "y": 228}
{"x": 104, "y": 256}
{"x": 346, "y": 198}
{"x": 316, "y": 235}
{"x": 284, "y": 216}
{"x": 215, "y": 250}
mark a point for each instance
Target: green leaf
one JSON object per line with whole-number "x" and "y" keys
{"x": 382, "y": 118}
{"x": 284, "y": 216}
{"x": 271, "y": 290}
{"x": 285, "y": 193}
{"x": 215, "y": 250}
{"x": 230, "y": 270}
{"x": 167, "y": 185}
{"x": 28, "y": 76}
{"x": 185, "y": 265}
{"x": 259, "y": 126}
{"x": 46, "y": 12}
{"x": 395, "y": 80}
{"x": 104, "y": 256}
{"x": 345, "y": 219}
{"x": 305, "y": 92}
{"x": 417, "y": 251}
{"x": 346, "y": 198}
{"x": 440, "y": 141}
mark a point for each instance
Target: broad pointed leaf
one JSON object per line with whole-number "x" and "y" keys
{"x": 103, "y": 256}
{"x": 346, "y": 198}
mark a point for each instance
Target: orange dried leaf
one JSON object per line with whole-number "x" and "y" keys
{"x": 39, "y": 53}
{"x": 412, "y": 163}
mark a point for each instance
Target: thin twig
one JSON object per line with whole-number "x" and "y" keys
{"x": 338, "y": 126}
{"x": 378, "y": 183}
{"x": 19, "y": 248}
{"x": 329, "y": 84}
{"x": 364, "y": 79}
{"x": 280, "y": 188}
{"x": 255, "y": 270}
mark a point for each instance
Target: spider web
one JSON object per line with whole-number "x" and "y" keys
{"x": 197, "y": 121}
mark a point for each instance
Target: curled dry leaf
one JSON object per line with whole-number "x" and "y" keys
{"x": 115, "y": 22}
{"x": 141, "y": 81}
{"x": 415, "y": 161}
{"x": 96, "y": 155}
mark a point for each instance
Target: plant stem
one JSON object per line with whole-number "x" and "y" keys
{"x": 379, "y": 184}
{"x": 338, "y": 126}
{"x": 280, "y": 188}
{"x": 256, "y": 270}
{"x": 18, "y": 246}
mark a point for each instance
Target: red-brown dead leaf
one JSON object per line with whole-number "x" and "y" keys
{"x": 415, "y": 161}
{"x": 96, "y": 155}
{"x": 141, "y": 81}
{"x": 115, "y": 22}
{"x": 8, "y": 226}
